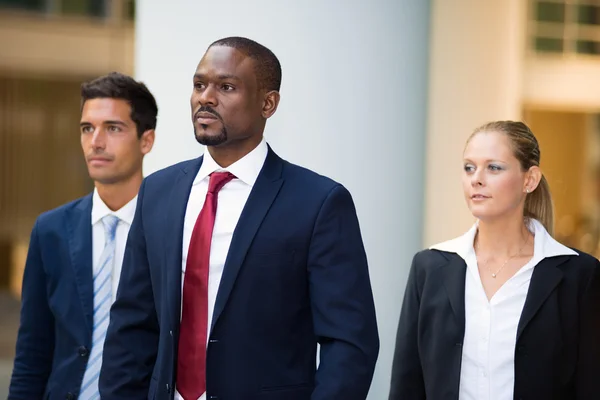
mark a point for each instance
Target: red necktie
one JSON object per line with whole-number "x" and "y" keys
{"x": 191, "y": 359}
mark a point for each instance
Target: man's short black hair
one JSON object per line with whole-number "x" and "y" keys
{"x": 120, "y": 86}
{"x": 268, "y": 68}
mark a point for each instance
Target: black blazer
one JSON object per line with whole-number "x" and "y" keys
{"x": 557, "y": 353}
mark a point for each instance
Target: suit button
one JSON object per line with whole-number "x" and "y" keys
{"x": 168, "y": 389}
{"x": 213, "y": 397}
{"x": 70, "y": 396}
{"x": 213, "y": 341}
{"x": 83, "y": 351}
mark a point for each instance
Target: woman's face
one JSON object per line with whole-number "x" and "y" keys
{"x": 494, "y": 183}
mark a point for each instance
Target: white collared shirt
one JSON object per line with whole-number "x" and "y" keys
{"x": 487, "y": 368}
{"x": 231, "y": 201}
{"x": 125, "y": 215}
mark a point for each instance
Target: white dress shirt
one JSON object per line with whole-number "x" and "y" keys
{"x": 125, "y": 215}
{"x": 231, "y": 201}
{"x": 487, "y": 368}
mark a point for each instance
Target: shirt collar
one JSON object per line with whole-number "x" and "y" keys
{"x": 245, "y": 169}
{"x": 544, "y": 245}
{"x": 101, "y": 210}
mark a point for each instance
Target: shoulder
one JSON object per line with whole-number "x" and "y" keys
{"x": 56, "y": 215}
{"x": 301, "y": 176}
{"x": 582, "y": 264}
{"x": 167, "y": 173}
{"x": 433, "y": 258}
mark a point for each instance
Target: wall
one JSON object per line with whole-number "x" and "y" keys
{"x": 353, "y": 107}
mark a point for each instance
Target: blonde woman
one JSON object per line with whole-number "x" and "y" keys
{"x": 504, "y": 311}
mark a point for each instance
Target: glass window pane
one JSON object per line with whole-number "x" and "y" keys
{"x": 34, "y": 5}
{"x": 588, "y": 15}
{"x": 549, "y": 45}
{"x": 550, "y": 12}
{"x": 129, "y": 10}
{"x": 588, "y": 47}
{"x": 91, "y": 8}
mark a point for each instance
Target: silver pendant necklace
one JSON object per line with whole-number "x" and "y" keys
{"x": 495, "y": 274}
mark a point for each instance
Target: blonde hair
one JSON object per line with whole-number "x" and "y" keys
{"x": 538, "y": 204}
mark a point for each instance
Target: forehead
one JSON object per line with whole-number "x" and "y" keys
{"x": 489, "y": 146}
{"x": 105, "y": 109}
{"x": 226, "y": 61}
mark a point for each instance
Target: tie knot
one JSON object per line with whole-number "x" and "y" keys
{"x": 218, "y": 180}
{"x": 110, "y": 223}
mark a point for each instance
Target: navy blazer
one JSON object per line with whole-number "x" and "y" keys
{"x": 557, "y": 353}
{"x": 55, "y": 333}
{"x": 295, "y": 275}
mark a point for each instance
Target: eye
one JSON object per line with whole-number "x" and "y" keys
{"x": 199, "y": 85}
{"x": 469, "y": 168}
{"x": 114, "y": 128}
{"x": 227, "y": 87}
{"x": 87, "y": 129}
{"x": 493, "y": 167}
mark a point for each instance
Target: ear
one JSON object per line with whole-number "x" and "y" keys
{"x": 147, "y": 141}
{"x": 532, "y": 179}
{"x": 270, "y": 103}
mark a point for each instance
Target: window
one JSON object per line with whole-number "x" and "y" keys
{"x": 115, "y": 10}
{"x": 565, "y": 26}
{"x": 30, "y": 5}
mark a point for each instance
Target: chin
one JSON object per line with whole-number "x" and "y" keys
{"x": 483, "y": 213}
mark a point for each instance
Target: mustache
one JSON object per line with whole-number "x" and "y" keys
{"x": 209, "y": 110}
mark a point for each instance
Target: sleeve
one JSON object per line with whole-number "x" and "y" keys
{"x": 588, "y": 364}
{"x": 407, "y": 375}
{"x": 35, "y": 340}
{"x": 131, "y": 343}
{"x": 342, "y": 302}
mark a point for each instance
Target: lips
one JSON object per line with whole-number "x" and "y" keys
{"x": 479, "y": 197}
{"x": 205, "y": 117}
{"x": 98, "y": 160}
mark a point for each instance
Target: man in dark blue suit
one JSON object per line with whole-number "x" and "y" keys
{"x": 76, "y": 251}
{"x": 239, "y": 263}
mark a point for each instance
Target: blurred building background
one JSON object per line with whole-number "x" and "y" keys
{"x": 47, "y": 48}
{"x": 520, "y": 59}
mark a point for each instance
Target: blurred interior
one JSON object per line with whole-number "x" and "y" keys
{"x": 48, "y": 47}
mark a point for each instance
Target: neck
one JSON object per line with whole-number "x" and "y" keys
{"x": 116, "y": 195}
{"x": 502, "y": 238}
{"x": 228, "y": 153}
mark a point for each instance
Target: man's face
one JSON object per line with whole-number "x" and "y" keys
{"x": 109, "y": 139}
{"x": 227, "y": 103}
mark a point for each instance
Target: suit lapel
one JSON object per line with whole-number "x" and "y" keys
{"x": 261, "y": 197}
{"x": 454, "y": 282}
{"x": 174, "y": 223}
{"x": 546, "y": 276}
{"x": 79, "y": 226}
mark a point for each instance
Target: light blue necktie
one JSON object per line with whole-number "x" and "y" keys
{"x": 102, "y": 302}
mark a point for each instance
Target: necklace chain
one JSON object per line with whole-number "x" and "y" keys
{"x": 495, "y": 274}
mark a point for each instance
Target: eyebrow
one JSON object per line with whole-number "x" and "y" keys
{"x": 121, "y": 123}
{"x": 220, "y": 77}
{"x": 486, "y": 161}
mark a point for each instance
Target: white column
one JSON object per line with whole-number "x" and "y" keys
{"x": 476, "y": 69}
{"x": 354, "y": 98}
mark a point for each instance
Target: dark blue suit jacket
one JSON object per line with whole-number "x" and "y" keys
{"x": 57, "y": 302}
{"x": 296, "y": 275}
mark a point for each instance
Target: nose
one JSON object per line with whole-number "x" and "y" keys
{"x": 477, "y": 178}
{"x": 208, "y": 96}
{"x": 98, "y": 139}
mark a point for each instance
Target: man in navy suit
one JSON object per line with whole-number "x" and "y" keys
{"x": 76, "y": 251}
{"x": 239, "y": 263}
